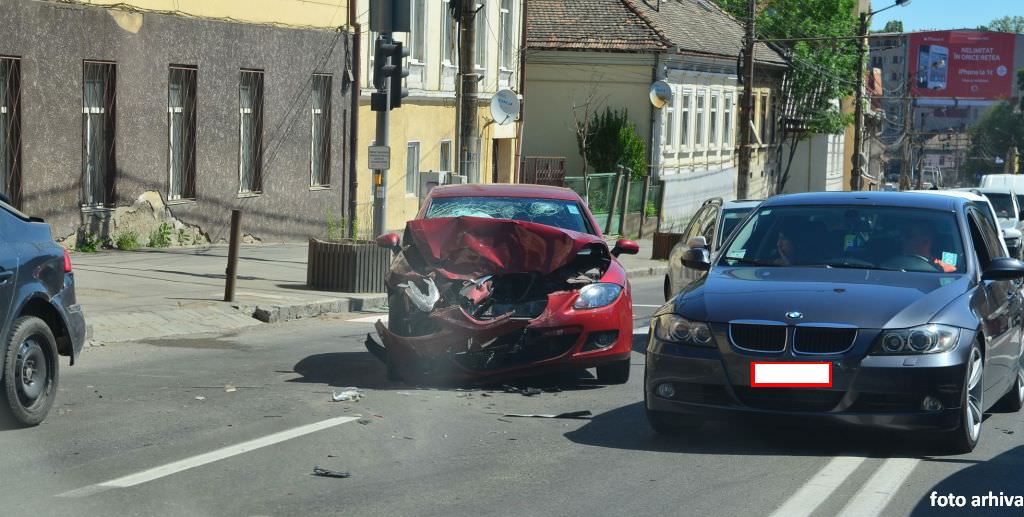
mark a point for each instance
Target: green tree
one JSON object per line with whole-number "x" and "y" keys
{"x": 893, "y": 26}
{"x": 821, "y": 71}
{"x": 1014, "y": 24}
{"x": 611, "y": 140}
{"x": 997, "y": 130}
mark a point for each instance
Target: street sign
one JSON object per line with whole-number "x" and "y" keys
{"x": 379, "y": 157}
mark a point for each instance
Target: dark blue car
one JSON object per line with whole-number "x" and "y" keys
{"x": 40, "y": 319}
{"x": 888, "y": 309}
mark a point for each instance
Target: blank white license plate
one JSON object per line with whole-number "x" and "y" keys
{"x": 791, "y": 375}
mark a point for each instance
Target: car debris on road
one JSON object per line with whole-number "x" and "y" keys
{"x": 328, "y": 473}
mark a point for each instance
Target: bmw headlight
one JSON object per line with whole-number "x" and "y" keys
{"x": 926, "y": 339}
{"x": 597, "y": 295}
{"x": 676, "y": 329}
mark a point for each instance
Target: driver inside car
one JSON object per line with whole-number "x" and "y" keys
{"x": 918, "y": 240}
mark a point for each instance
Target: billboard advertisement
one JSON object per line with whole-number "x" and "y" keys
{"x": 961, "y": 64}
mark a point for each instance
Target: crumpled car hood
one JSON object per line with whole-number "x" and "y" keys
{"x": 467, "y": 247}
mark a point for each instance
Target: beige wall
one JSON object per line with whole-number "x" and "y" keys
{"x": 553, "y": 89}
{"x": 308, "y": 13}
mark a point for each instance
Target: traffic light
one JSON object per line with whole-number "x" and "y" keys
{"x": 397, "y": 72}
{"x": 388, "y": 63}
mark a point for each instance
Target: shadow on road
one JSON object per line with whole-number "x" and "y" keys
{"x": 363, "y": 370}
{"x": 999, "y": 474}
{"x": 626, "y": 428}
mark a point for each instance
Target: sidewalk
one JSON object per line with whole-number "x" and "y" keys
{"x": 154, "y": 293}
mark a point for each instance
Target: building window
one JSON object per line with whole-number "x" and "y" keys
{"x": 894, "y": 76}
{"x": 876, "y": 62}
{"x": 412, "y": 167}
{"x": 181, "y": 133}
{"x": 727, "y": 122}
{"x": 419, "y": 19}
{"x": 713, "y": 121}
{"x": 762, "y": 118}
{"x": 98, "y": 104}
{"x": 480, "y": 25}
{"x": 320, "y": 145}
{"x": 250, "y": 131}
{"x": 667, "y": 135}
{"x": 10, "y": 129}
{"x": 684, "y": 119}
{"x": 447, "y": 34}
{"x": 698, "y": 139}
{"x": 507, "y": 35}
{"x": 446, "y": 156}
{"x": 895, "y": 60}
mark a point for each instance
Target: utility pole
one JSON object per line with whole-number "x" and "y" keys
{"x": 858, "y": 113}
{"x": 908, "y": 120}
{"x": 469, "y": 139}
{"x": 747, "y": 106}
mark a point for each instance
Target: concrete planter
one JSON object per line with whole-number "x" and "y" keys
{"x": 663, "y": 244}
{"x": 350, "y": 267}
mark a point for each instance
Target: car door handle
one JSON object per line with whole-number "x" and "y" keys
{"x": 5, "y": 276}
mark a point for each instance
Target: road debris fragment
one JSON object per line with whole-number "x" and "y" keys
{"x": 570, "y": 414}
{"x": 347, "y": 394}
{"x": 200, "y": 397}
{"x": 230, "y": 388}
{"x": 328, "y": 473}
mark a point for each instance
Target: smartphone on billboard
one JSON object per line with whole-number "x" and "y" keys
{"x": 939, "y": 67}
{"x": 923, "y": 64}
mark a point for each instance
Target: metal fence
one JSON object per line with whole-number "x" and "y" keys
{"x": 599, "y": 189}
{"x": 543, "y": 170}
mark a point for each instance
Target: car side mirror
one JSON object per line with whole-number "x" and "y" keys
{"x": 697, "y": 258}
{"x": 625, "y": 247}
{"x": 1003, "y": 268}
{"x": 390, "y": 241}
{"x": 698, "y": 241}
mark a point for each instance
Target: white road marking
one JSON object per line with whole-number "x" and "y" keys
{"x": 370, "y": 319}
{"x": 875, "y": 495}
{"x": 202, "y": 459}
{"x": 641, "y": 331}
{"x": 646, "y": 305}
{"x": 819, "y": 487}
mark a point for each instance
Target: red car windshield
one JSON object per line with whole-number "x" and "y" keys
{"x": 559, "y": 213}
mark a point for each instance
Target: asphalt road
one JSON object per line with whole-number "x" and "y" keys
{"x": 149, "y": 429}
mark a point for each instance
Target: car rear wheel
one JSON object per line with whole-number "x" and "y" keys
{"x": 30, "y": 370}
{"x": 965, "y": 438}
{"x": 615, "y": 373}
{"x": 396, "y": 323}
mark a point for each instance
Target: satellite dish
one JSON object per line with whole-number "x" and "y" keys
{"x": 661, "y": 94}
{"x": 505, "y": 106}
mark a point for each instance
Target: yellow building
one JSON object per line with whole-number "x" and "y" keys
{"x": 292, "y": 13}
{"x": 423, "y": 132}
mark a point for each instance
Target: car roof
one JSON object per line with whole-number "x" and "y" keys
{"x": 741, "y": 203}
{"x": 965, "y": 193}
{"x": 995, "y": 190}
{"x": 494, "y": 190}
{"x": 879, "y": 198}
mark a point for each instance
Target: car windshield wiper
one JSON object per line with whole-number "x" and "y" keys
{"x": 847, "y": 265}
{"x": 750, "y": 262}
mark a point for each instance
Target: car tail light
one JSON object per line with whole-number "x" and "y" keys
{"x": 67, "y": 261}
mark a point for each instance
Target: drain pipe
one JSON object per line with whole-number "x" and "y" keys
{"x": 357, "y": 60}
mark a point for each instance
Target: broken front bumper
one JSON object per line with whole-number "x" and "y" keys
{"x": 561, "y": 338}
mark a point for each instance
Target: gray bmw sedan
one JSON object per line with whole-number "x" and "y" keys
{"x": 886, "y": 309}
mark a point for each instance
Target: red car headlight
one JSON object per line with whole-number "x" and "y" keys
{"x": 597, "y": 295}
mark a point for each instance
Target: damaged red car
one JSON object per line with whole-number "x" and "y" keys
{"x": 497, "y": 281}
